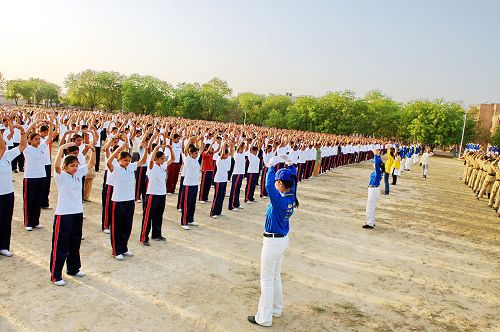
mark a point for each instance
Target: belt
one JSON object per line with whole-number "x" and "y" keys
{"x": 273, "y": 235}
{"x": 372, "y": 186}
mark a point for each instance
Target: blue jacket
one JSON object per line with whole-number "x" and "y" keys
{"x": 281, "y": 207}
{"x": 376, "y": 175}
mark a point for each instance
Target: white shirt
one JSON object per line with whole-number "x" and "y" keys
{"x": 239, "y": 163}
{"x": 45, "y": 145}
{"x": 34, "y": 165}
{"x": 223, "y": 167}
{"x": 177, "y": 147}
{"x": 136, "y": 144}
{"x": 6, "y": 186}
{"x": 157, "y": 176}
{"x": 124, "y": 183}
{"x": 8, "y": 142}
{"x": 191, "y": 171}
{"x": 253, "y": 163}
{"x": 109, "y": 176}
{"x": 69, "y": 192}
{"x": 81, "y": 156}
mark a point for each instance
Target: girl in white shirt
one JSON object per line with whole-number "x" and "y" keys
{"x": 237, "y": 178}
{"x": 68, "y": 218}
{"x": 123, "y": 199}
{"x": 252, "y": 173}
{"x": 223, "y": 163}
{"x": 7, "y": 189}
{"x": 190, "y": 184}
{"x": 267, "y": 154}
{"x": 154, "y": 203}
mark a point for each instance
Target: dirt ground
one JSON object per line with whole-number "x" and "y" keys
{"x": 432, "y": 263}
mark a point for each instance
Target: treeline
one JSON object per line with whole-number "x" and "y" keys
{"x": 432, "y": 122}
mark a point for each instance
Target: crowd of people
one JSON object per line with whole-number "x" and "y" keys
{"x": 146, "y": 159}
{"x": 482, "y": 174}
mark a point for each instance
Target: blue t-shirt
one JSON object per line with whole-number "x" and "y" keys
{"x": 281, "y": 207}
{"x": 376, "y": 175}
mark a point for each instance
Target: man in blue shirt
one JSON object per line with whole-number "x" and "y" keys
{"x": 280, "y": 187}
{"x": 374, "y": 190}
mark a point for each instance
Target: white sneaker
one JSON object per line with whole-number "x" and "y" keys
{"x": 107, "y": 231}
{"x": 222, "y": 214}
{"x": 194, "y": 223}
{"x": 277, "y": 315}
{"x": 168, "y": 194}
{"x": 119, "y": 257}
{"x": 47, "y": 208}
{"x": 39, "y": 226}
{"x": 79, "y": 274}
{"x": 185, "y": 227}
{"x": 6, "y": 253}
{"x": 29, "y": 228}
{"x": 83, "y": 237}
{"x": 215, "y": 216}
{"x": 201, "y": 202}
{"x": 248, "y": 202}
{"x": 234, "y": 210}
{"x": 240, "y": 207}
{"x": 60, "y": 283}
{"x": 128, "y": 253}
{"x": 180, "y": 210}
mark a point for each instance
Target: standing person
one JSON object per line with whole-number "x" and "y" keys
{"x": 267, "y": 154}
{"x": 223, "y": 163}
{"x": 374, "y": 190}
{"x": 174, "y": 168}
{"x": 237, "y": 178}
{"x": 388, "y": 167}
{"x": 68, "y": 218}
{"x": 207, "y": 172}
{"x": 34, "y": 181}
{"x": 252, "y": 174}
{"x": 107, "y": 186}
{"x": 396, "y": 167}
{"x": 154, "y": 203}
{"x": 123, "y": 199}
{"x": 425, "y": 161}
{"x": 190, "y": 184}
{"x": 46, "y": 136}
{"x": 281, "y": 188}
{"x": 7, "y": 189}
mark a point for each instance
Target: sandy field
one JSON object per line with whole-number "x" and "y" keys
{"x": 432, "y": 263}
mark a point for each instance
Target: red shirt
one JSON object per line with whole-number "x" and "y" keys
{"x": 207, "y": 161}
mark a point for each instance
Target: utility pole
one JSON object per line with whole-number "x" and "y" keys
{"x": 463, "y": 133}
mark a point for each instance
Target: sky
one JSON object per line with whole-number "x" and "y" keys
{"x": 407, "y": 49}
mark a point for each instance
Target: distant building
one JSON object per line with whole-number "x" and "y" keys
{"x": 489, "y": 116}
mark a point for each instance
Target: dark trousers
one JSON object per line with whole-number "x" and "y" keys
{"x": 141, "y": 183}
{"x": 180, "y": 197}
{"x": 66, "y": 239}
{"x": 6, "y": 211}
{"x": 220, "y": 193}
{"x": 206, "y": 183}
{"x": 32, "y": 200}
{"x": 46, "y": 188}
{"x": 263, "y": 191}
{"x": 234, "y": 195}
{"x": 152, "y": 216}
{"x": 252, "y": 179}
{"x": 172, "y": 176}
{"x": 121, "y": 226}
{"x": 18, "y": 162}
{"x": 386, "y": 182}
{"x": 300, "y": 171}
{"x": 107, "y": 193}
{"x": 188, "y": 204}
{"x": 394, "y": 178}
{"x": 97, "y": 158}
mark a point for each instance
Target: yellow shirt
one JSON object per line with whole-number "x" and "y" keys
{"x": 388, "y": 163}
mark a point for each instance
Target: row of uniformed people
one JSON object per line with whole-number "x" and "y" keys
{"x": 482, "y": 175}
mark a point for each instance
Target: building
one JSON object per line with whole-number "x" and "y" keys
{"x": 489, "y": 116}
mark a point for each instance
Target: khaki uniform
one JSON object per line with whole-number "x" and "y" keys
{"x": 494, "y": 189}
{"x": 483, "y": 164}
{"x": 474, "y": 173}
{"x": 470, "y": 168}
{"x": 489, "y": 178}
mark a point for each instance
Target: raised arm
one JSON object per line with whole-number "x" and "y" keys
{"x": 57, "y": 162}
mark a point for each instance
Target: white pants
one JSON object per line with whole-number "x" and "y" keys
{"x": 402, "y": 166}
{"x": 415, "y": 158}
{"x": 371, "y": 204}
{"x": 408, "y": 163}
{"x": 271, "y": 293}
{"x": 425, "y": 169}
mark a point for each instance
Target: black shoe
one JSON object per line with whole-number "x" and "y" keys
{"x": 251, "y": 319}
{"x": 146, "y": 243}
{"x": 15, "y": 171}
{"x": 367, "y": 226}
{"x": 160, "y": 238}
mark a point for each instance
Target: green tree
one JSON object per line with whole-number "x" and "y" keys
{"x": 2, "y": 83}
{"x": 188, "y": 101}
{"x": 249, "y": 104}
{"x": 146, "y": 94}
{"x": 385, "y": 115}
{"x": 85, "y": 89}
{"x": 14, "y": 90}
{"x": 215, "y": 99}
{"x": 111, "y": 83}
{"x": 273, "y": 110}
{"x": 303, "y": 114}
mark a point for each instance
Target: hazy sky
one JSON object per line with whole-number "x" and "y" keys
{"x": 408, "y": 49}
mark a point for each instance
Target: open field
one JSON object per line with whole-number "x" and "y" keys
{"x": 432, "y": 263}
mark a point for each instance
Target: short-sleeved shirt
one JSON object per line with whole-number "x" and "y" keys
{"x": 6, "y": 186}
{"x": 223, "y": 167}
{"x": 157, "y": 176}
{"x": 124, "y": 183}
{"x": 191, "y": 171}
{"x": 34, "y": 166}
{"x": 253, "y": 163}
{"x": 69, "y": 192}
{"x": 239, "y": 163}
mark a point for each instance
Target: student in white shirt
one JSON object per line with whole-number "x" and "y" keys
{"x": 267, "y": 154}
{"x": 123, "y": 199}
{"x": 237, "y": 178}
{"x": 47, "y": 135}
{"x": 68, "y": 218}
{"x": 252, "y": 173}
{"x": 107, "y": 186}
{"x": 154, "y": 203}
{"x": 189, "y": 192}
{"x": 7, "y": 189}
{"x": 223, "y": 163}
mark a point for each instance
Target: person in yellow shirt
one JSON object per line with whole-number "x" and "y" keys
{"x": 396, "y": 167}
{"x": 388, "y": 167}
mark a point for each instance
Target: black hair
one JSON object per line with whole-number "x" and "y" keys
{"x": 69, "y": 159}
{"x": 72, "y": 148}
{"x": 114, "y": 148}
{"x": 176, "y": 136}
{"x": 124, "y": 154}
{"x": 159, "y": 154}
{"x": 288, "y": 184}
{"x": 206, "y": 147}
{"x": 44, "y": 128}
{"x": 192, "y": 149}
{"x": 85, "y": 127}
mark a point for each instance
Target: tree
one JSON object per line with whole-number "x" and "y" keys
{"x": 249, "y": 104}
{"x": 146, "y": 95}
{"x": 111, "y": 83}
{"x": 14, "y": 90}
{"x": 215, "y": 99}
{"x": 273, "y": 109}
{"x": 385, "y": 115}
{"x": 2, "y": 83}
{"x": 85, "y": 89}
{"x": 188, "y": 101}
